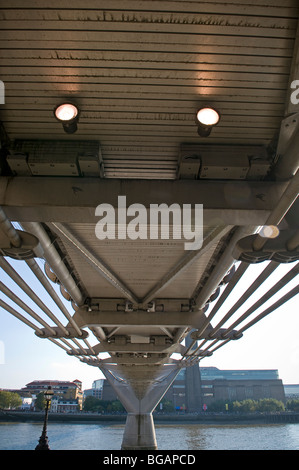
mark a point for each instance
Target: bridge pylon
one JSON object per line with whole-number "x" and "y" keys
{"x": 139, "y": 433}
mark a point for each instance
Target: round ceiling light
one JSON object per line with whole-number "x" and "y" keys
{"x": 269, "y": 231}
{"x": 206, "y": 118}
{"x": 68, "y": 115}
{"x": 66, "y": 112}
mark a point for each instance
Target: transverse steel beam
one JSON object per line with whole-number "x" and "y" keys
{"x": 67, "y": 199}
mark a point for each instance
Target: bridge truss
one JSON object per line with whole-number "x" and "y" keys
{"x": 142, "y": 309}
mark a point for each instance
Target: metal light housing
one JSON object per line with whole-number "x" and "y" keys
{"x": 206, "y": 118}
{"x": 48, "y": 394}
{"x": 68, "y": 115}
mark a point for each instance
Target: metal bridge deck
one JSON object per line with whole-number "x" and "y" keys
{"x": 138, "y": 71}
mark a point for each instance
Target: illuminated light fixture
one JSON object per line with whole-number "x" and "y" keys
{"x": 68, "y": 115}
{"x": 206, "y": 118}
{"x": 269, "y": 231}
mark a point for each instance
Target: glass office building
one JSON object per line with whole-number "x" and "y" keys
{"x": 212, "y": 373}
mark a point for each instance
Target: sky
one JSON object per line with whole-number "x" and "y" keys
{"x": 272, "y": 343}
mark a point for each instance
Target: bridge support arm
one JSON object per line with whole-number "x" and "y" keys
{"x": 139, "y": 431}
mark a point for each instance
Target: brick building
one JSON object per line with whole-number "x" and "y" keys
{"x": 238, "y": 385}
{"x": 68, "y": 396}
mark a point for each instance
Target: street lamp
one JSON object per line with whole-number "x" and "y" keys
{"x": 43, "y": 440}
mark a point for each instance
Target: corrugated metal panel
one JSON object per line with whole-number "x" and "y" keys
{"x": 140, "y": 263}
{"x": 139, "y": 71}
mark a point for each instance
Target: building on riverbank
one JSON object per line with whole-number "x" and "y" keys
{"x": 213, "y": 384}
{"x": 239, "y": 385}
{"x": 96, "y": 390}
{"x": 291, "y": 391}
{"x": 195, "y": 388}
{"x": 68, "y": 396}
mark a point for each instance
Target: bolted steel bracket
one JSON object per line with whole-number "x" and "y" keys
{"x": 60, "y": 333}
{"x": 275, "y": 249}
{"x": 27, "y": 247}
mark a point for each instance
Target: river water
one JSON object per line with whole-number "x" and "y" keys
{"x": 72, "y": 436}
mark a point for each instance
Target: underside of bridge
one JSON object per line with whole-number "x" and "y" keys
{"x": 138, "y": 71}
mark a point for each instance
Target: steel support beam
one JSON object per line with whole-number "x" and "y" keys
{"x": 105, "y": 346}
{"x": 84, "y": 318}
{"x": 67, "y": 199}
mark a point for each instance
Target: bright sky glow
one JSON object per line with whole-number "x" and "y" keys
{"x": 270, "y": 344}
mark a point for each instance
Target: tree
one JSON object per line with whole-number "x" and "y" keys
{"x": 40, "y": 402}
{"x": 220, "y": 405}
{"x": 15, "y": 400}
{"x": 167, "y": 406}
{"x": 117, "y": 406}
{"x": 262, "y": 405}
{"x": 293, "y": 405}
{"x": 245, "y": 406}
{"x": 91, "y": 403}
{"x": 9, "y": 399}
{"x": 97, "y": 405}
{"x": 270, "y": 404}
{"x": 4, "y": 399}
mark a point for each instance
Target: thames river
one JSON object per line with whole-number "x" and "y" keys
{"x": 72, "y": 436}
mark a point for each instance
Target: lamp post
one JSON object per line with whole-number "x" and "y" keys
{"x": 43, "y": 440}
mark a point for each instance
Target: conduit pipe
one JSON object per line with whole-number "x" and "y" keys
{"x": 36, "y": 317}
{"x": 22, "y": 284}
{"x": 60, "y": 345}
{"x": 217, "y": 347}
{"x": 266, "y": 312}
{"x": 51, "y": 255}
{"x": 273, "y": 307}
{"x": 230, "y": 286}
{"x": 277, "y": 287}
{"x": 223, "y": 266}
{"x": 16, "y": 314}
{"x": 9, "y": 230}
{"x": 288, "y": 164}
{"x": 286, "y": 201}
{"x": 235, "y": 279}
{"x": 292, "y": 293}
{"x": 195, "y": 359}
{"x": 252, "y": 288}
{"x": 70, "y": 346}
{"x": 32, "y": 264}
{"x": 25, "y": 307}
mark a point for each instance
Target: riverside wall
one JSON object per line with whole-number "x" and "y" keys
{"x": 201, "y": 418}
